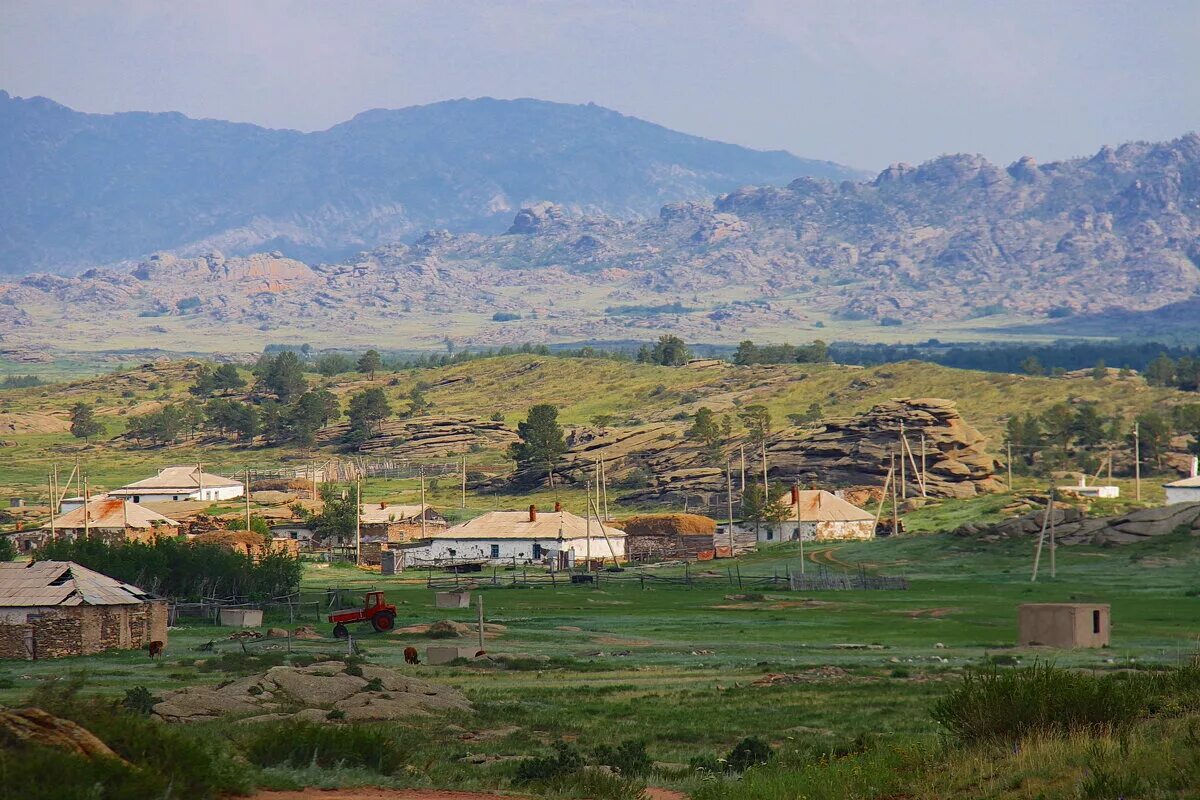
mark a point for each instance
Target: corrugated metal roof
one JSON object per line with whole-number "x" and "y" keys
{"x": 112, "y": 512}
{"x": 390, "y": 513}
{"x": 62, "y": 583}
{"x": 182, "y": 478}
{"x": 516, "y": 525}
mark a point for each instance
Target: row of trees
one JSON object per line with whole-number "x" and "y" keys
{"x": 1081, "y": 434}
{"x": 747, "y": 353}
{"x": 182, "y": 570}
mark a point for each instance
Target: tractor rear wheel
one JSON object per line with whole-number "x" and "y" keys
{"x": 340, "y": 631}
{"x": 383, "y": 622}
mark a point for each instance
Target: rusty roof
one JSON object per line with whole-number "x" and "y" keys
{"x": 62, "y": 583}
{"x": 818, "y": 505}
{"x": 112, "y": 512}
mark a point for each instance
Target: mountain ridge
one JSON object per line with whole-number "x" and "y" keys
{"x": 191, "y": 185}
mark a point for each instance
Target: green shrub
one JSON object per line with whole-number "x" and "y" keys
{"x": 629, "y": 757}
{"x": 139, "y": 700}
{"x": 541, "y": 768}
{"x": 747, "y": 753}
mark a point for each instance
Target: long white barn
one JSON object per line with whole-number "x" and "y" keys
{"x": 180, "y": 483}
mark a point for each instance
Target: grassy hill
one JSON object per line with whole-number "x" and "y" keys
{"x": 34, "y": 421}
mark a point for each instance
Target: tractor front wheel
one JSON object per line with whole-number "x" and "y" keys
{"x": 383, "y": 622}
{"x": 340, "y": 631}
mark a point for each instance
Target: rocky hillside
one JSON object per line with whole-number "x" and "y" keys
{"x": 87, "y": 189}
{"x": 954, "y": 242}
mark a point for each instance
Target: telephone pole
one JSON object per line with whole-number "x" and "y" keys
{"x": 1137, "y": 462}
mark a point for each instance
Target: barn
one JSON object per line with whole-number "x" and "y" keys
{"x": 53, "y": 609}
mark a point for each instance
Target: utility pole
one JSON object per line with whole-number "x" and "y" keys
{"x": 479, "y": 604}
{"x": 1137, "y": 462}
{"x": 729, "y": 501}
{"x": 358, "y": 521}
{"x": 895, "y": 502}
{"x": 587, "y": 544}
{"x": 1053, "y": 544}
{"x": 799, "y": 533}
{"x": 1008, "y": 463}
{"x": 423, "y": 536}
{"x": 53, "y": 505}
{"x": 464, "y": 482}
{"x": 903, "y": 471}
{"x": 87, "y": 513}
{"x": 743, "y": 449}
{"x": 604, "y": 487}
{"x": 1037, "y": 556}
{"x": 766, "y": 489}
{"x": 923, "y": 492}
{"x": 247, "y": 493}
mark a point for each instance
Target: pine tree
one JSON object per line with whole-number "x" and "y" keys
{"x": 84, "y": 424}
{"x": 542, "y": 439}
{"x": 369, "y": 363}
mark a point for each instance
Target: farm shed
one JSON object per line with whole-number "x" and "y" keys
{"x": 113, "y": 520}
{"x": 52, "y": 609}
{"x": 1063, "y": 625}
{"x": 823, "y": 517}
{"x": 181, "y": 483}
{"x": 524, "y": 537}
{"x": 248, "y": 543}
{"x": 651, "y": 537}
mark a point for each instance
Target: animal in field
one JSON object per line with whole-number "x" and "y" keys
{"x": 410, "y": 656}
{"x": 155, "y": 649}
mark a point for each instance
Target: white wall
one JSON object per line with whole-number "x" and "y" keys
{"x": 1183, "y": 494}
{"x": 506, "y": 550}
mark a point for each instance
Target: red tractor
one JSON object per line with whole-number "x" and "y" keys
{"x": 376, "y": 610}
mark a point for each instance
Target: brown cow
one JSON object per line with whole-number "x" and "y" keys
{"x": 410, "y": 656}
{"x": 155, "y": 649}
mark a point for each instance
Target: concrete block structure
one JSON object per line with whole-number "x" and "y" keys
{"x": 1063, "y": 625}
{"x": 241, "y": 617}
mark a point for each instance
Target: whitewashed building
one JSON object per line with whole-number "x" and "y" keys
{"x": 1185, "y": 490}
{"x": 181, "y": 483}
{"x": 557, "y": 538}
{"x": 816, "y": 515}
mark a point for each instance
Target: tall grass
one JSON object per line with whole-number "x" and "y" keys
{"x": 1007, "y": 705}
{"x": 379, "y": 748}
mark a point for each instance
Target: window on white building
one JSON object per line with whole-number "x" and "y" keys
{"x": 495, "y": 551}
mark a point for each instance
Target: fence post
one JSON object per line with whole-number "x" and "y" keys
{"x": 738, "y": 567}
{"x": 642, "y": 578}
{"x": 687, "y": 572}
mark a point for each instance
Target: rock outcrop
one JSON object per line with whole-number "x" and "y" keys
{"x": 424, "y": 437}
{"x": 1073, "y": 526}
{"x": 35, "y": 726}
{"x": 324, "y": 692}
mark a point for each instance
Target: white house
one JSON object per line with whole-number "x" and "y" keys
{"x": 817, "y": 516}
{"x": 181, "y": 483}
{"x": 296, "y": 531}
{"x": 559, "y": 538}
{"x": 1185, "y": 490}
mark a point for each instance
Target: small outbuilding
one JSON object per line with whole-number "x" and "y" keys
{"x": 52, "y": 609}
{"x": 1063, "y": 625}
{"x": 650, "y": 537}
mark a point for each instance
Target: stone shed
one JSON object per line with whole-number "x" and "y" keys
{"x": 1063, "y": 625}
{"x": 650, "y": 537}
{"x": 52, "y": 609}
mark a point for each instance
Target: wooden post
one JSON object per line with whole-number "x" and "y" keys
{"x": 903, "y": 472}
{"x": 358, "y": 521}
{"x": 87, "y": 528}
{"x": 479, "y": 604}
{"x": 912, "y": 460}
{"x": 1137, "y": 462}
{"x": 882, "y": 497}
{"x": 587, "y": 541}
{"x": 1037, "y": 556}
{"x": 923, "y": 466}
{"x": 464, "y": 482}
{"x": 611, "y": 550}
{"x": 743, "y": 449}
{"x": 729, "y": 501}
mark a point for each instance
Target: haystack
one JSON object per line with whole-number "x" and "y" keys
{"x": 655, "y": 536}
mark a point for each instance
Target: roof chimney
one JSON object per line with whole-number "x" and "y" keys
{"x": 795, "y": 495}
{"x": 532, "y": 513}
{"x": 383, "y": 504}
{"x": 557, "y": 506}
{"x": 1195, "y": 466}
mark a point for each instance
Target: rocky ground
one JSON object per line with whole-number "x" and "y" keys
{"x": 328, "y": 691}
{"x": 1073, "y": 526}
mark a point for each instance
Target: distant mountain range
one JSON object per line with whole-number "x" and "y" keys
{"x": 86, "y": 189}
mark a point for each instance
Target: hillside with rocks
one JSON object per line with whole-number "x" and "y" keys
{"x": 955, "y": 241}
{"x": 88, "y": 189}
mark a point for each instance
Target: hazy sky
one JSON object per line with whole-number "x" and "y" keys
{"x": 863, "y": 83}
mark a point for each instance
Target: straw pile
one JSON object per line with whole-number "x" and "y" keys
{"x": 669, "y": 525}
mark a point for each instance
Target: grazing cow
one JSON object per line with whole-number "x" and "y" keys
{"x": 410, "y": 656}
{"x": 155, "y": 649}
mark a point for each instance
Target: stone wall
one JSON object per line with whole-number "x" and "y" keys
{"x": 86, "y": 630}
